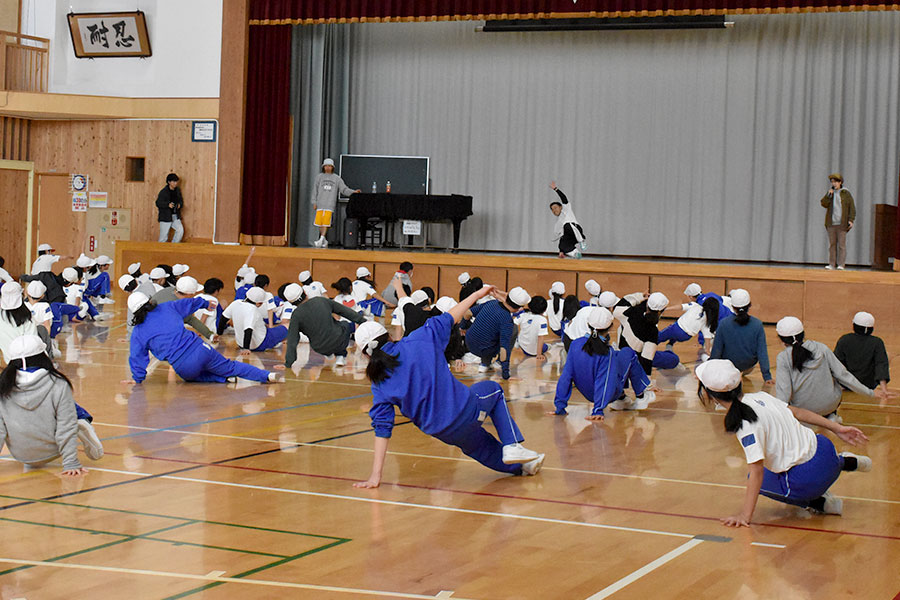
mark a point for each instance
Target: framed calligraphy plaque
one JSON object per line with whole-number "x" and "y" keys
{"x": 113, "y": 34}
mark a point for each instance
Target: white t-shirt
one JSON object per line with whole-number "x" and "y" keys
{"x": 578, "y": 328}
{"x": 693, "y": 319}
{"x": 5, "y": 276}
{"x": 246, "y": 316}
{"x": 207, "y": 315}
{"x": 347, "y": 300}
{"x": 777, "y": 437}
{"x": 554, "y": 319}
{"x": 531, "y": 328}
{"x": 398, "y": 317}
{"x": 40, "y": 312}
{"x": 362, "y": 290}
{"x": 315, "y": 289}
{"x": 9, "y": 332}
{"x": 285, "y": 311}
{"x": 44, "y": 262}
{"x": 74, "y": 293}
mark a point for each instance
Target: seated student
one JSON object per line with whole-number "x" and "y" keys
{"x": 46, "y": 313}
{"x": 788, "y": 462}
{"x": 493, "y": 333}
{"x": 405, "y": 274}
{"x": 577, "y": 326}
{"x": 311, "y": 288}
{"x": 532, "y": 326}
{"x": 271, "y": 304}
{"x": 185, "y": 287}
{"x": 160, "y": 330}
{"x": 367, "y": 298}
{"x": 809, "y": 375}
{"x": 250, "y": 330}
{"x": 129, "y": 285}
{"x": 344, "y": 289}
{"x": 179, "y": 269}
{"x": 170, "y": 278}
{"x": 742, "y": 339}
{"x": 412, "y": 375}
{"x": 39, "y": 420}
{"x": 599, "y": 371}
{"x": 314, "y": 318}
{"x": 697, "y": 320}
{"x": 98, "y": 282}
{"x": 639, "y": 316}
{"x": 456, "y": 347}
{"x": 555, "y": 306}
{"x": 45, "y": 259}
{"x": 212, "y": 292}
{"x": 864, "y": 355}
{"x": 411, "y": 311}
{"x": 245, "y": 277}
{"x": 15, "y": 318}
{"x": 134, "y": 269}
{"x": 74, "y": 290}
{"x": 594, "y": 290}
{"x": 463, "y": 278}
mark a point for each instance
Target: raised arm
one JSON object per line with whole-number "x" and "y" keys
{"x": 459, "y": 311}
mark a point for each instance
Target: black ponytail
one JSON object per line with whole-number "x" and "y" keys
{"x": 597, "y": 343}
{"x": 557, "y": 298}
{"x": 8, "y": 378}
{"x": 742, "y": 315}
{"x": 472, "y": 286}
{"x": 140, "y": 314}
{"x": 799, "y": 354}
{"x": 711, "y": 310}
{"x": 738, "y": 412}
{"x": 380, "y": 362}
{"x": 19, "y": 316}
{"x": 571, "y": 306}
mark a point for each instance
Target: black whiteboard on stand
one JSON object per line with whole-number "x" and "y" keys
{"x": 407, "y": 174}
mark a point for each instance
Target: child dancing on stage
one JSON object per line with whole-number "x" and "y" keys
{"x": 567, "y": 230}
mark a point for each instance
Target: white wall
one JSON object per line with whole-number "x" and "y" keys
{"x": 185, "y": 36}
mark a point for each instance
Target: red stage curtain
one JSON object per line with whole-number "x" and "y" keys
{"x": 315, "y": 11}
{"x": 267, "y": 135}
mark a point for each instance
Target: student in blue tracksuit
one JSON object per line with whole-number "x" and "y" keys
{"x": 599, "y": 371}
{"x": 160, "y": 330}
{"x": 412, "y": 374}
{"x": 788, "y": 462}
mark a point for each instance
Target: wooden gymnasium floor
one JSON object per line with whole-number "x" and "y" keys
{"x": 245, "y": 491}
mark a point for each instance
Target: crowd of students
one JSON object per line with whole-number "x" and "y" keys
{"x": 608, "y": 346}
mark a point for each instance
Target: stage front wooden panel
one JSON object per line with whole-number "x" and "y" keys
{"x": 329, "y": 271}
{"x": 620, "y": 283}
{"x": 827, "y": 304}
{"x": 772, "y": 300}
{"x": 423, "y": 274}
{"x": 448, "y": 282}
{"x": 673, "y": 287}
{"x": 538, "y": 281}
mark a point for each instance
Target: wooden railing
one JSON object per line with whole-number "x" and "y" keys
{"x": 24, "y": 62}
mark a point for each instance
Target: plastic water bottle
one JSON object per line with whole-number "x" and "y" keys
{"x": 388, "y": 187}
{"x": 374, "y": 188}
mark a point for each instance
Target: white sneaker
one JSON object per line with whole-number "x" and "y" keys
{"x": 863, "y": 463}
{"x": 324, "y": 243}
{"x": 485, "y": 368}
{"x": 470, "y": 358}
{"x": 620, "y": 404}
{"x": 836, "y": 418}
{"x": 840, "y": 268}
{"x": 318, "y": 243}
{"x": 532, "y": 467}
{"x": 274, "y": 378}
{"x": 642, "y": 403}
{"x": 340, "y": 361}
{"x": 833, "y": 505}
{"x": 106, "y": 301}
{"x": 517, "y": 453}
{"x": 93, "y": 447}
{"x": 828, "y": 267}
{"x": 102, "y": 316}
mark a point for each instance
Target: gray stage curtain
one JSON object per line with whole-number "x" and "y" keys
{"x": 319, "y": 104}
{"x": 705, "y": 144}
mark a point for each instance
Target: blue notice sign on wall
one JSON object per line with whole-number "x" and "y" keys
{"x": 203, "y": 131}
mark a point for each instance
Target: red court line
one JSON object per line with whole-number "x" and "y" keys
{"x": 513, "y": 497}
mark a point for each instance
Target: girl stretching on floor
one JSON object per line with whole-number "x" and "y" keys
{"x": 412, "y": 374}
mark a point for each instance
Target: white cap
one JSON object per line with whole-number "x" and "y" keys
{"x": 608, "y": 299}
{"x": 104, "y": 260}
{"x": 26, "y": 346}
{"x": 519, "y": 296}
{"x": 245, "y": 272}
{"x": 863, "y": 319}
{"x": 304, "y": 276}
{"x": 133, "y": 267}
{"x": 789, "y": 327}
{"x": 599, "y": 318}
{"x": 718, "y": 375}
{"x": 558, "y": 287}
{"x": 11, "y": 296}
{"x": 70, "y": 274}
{"x": 593, "y": 288}
{"x": 418, "y": 297}
{"x": 693, "y": 290}
{"x": 445, "y": 303}
{"x": 179, "y": 269}
{"x": 85, "y": 261}
{"x": 362, "y": 272}
{"x": 657, "y": 301}
{"x": 327, "y": 163}
{"x": 463, "y": 278}
{"x": 36, "y": 289}
{"x": 188, "y": 285}
{"x": 124, "y": 280}
{"x": 292, "y": 292}
{"x": 137, "y": 300}
{"x": 44, "y": 248}
{"x": 740, "y": 298}
{"x": 256, "y": 295}
{"x": 158, "y": 273}
{"x": 367, "y": 333}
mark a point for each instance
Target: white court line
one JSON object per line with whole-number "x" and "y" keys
{"x": 765, "y": 545}
{"x": 210, "y": 578}
{"x": 467, "y": 460}
{"x": 648, "y": 568}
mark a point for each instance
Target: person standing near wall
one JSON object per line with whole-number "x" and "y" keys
{"x": 170, "y": 203}
{"x": 326, "y": 189}
{"x": 840, "y": 212}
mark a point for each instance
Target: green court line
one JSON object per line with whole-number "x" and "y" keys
{"x": 277, "y": 563}
{"x": 211, "y": 547}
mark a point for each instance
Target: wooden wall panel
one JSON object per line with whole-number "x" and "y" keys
{"x": 15, "y": 139}
{"x": 13, "y": 225}
{"x": 99, "y": 148}
{"x": 448, "y": 284}
{"x": 422, "y": 275}
{"x": 537, "y": 282}
{"x": 772, "y": 300}
{"x": 834, "y": 304}
{"x": 673, "y": 287}
{"x": 328, "y": 271}
{"x": 620, "y": 283}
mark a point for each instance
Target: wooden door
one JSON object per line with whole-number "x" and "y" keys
{"x": 13, "y": 226}
{"x": 56, "y": 224}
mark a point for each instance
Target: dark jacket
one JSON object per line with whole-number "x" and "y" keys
{"x": 848, "y": 209}
{"x": 52, "y": 282}
{"x": 166, "y": 197}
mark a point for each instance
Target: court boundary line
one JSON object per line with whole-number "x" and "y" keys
{"x": 645, "y": 570}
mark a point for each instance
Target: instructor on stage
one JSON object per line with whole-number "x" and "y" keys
{"x": 840, "y": 212}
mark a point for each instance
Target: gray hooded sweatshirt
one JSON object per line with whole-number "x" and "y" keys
{"x": 38, "y": 420}
{"x": 818, "y": 386}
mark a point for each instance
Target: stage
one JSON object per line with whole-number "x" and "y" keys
{"x": 819, "y": 297}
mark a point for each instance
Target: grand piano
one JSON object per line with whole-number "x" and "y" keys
{"x": 412, "y": 207}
